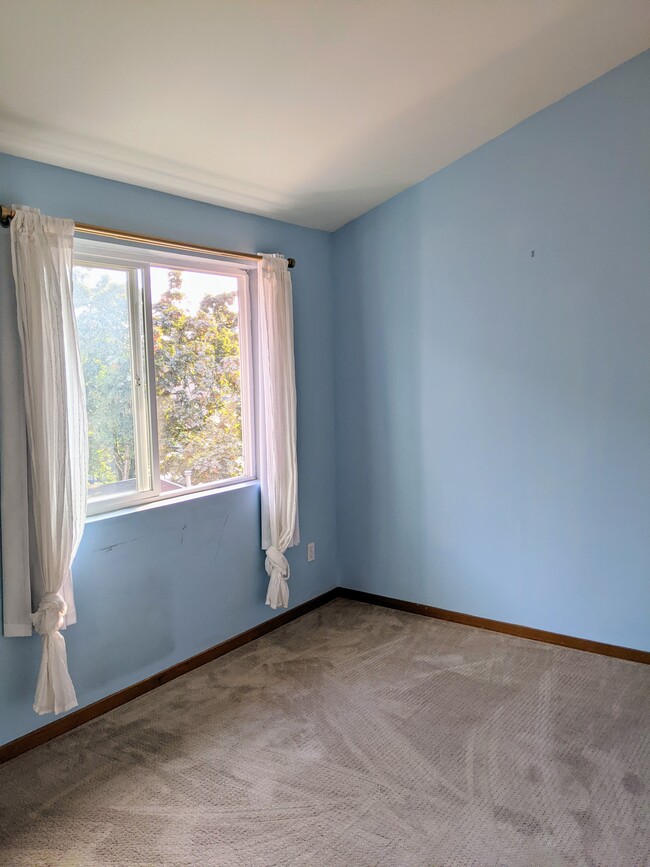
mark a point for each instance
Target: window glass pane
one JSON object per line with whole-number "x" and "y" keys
{"x": 198, "y": 381}
{"x": 102, "y": 307}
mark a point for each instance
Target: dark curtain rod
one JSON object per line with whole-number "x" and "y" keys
{"x": 7, "y": 215}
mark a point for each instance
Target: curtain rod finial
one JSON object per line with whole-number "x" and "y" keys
{"x": 291, "y": 263}
{"x": 6, "y": 216}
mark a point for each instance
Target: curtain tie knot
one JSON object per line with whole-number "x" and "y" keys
{"x": 275, "y": 559}
{"x": 277, "y": 568}
{"x": 50, "y": 614}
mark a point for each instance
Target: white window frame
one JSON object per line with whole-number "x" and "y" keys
{"x": 137, "y": 261}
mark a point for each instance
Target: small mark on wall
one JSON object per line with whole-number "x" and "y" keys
{"x": 109, "y": 548}
{"x": 221, "y": 537}
{"x": 532, "y": 254}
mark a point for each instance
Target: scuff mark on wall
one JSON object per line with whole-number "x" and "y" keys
{"x": 109, "y": 548}
{"x": 216, "y": 555}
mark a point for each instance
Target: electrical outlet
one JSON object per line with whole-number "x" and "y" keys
{"x": 311, "y": 551}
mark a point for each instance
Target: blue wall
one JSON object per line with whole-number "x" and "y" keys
{"x": 493, "y": 408}
{"x": 160, "y": 584}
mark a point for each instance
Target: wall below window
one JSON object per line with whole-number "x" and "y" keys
{"x": 158, "y": 585}
{"x": 493, "y": 405}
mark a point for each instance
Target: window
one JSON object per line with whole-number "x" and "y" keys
{"x": 165, "y": 348}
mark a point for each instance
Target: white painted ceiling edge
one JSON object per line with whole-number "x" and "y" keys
{"x": 308, "y": 111}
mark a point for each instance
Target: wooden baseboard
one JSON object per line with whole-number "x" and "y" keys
{"x": 585, "y": 644}
{"x": 85, "y": 714}
{"x": 91, "y": 711}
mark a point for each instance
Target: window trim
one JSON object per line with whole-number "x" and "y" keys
{"x": 135, "y": 260}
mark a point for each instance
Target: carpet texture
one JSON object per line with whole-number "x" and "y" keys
{"x": 353, "y": 736}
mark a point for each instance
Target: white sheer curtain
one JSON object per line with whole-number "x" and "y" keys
{"x": 278, "y": 465}
{"x": 55, "y": 414}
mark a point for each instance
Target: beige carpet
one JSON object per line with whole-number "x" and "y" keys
{"x": 354, "y": 736}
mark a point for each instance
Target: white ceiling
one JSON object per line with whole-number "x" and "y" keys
{"x": 311, "y": 111}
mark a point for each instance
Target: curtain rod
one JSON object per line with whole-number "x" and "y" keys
{"x": 7, "y": 215}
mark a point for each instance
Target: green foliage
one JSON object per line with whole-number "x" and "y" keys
{"x": 197, "y": 386}
{"x": 103, "y": 326}
{"x": 196, "y": 357}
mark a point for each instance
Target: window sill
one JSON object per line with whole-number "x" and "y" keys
{"x": 168, "y": 501}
